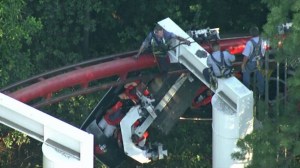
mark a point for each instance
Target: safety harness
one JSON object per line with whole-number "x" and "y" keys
{"x": 159, "y": 47}
{"x": 256, "y": 54}
{"x": 225, "y": 70}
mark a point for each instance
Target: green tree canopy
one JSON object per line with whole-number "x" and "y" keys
{"x": 38, "y": 36}
{"x": 16, "y": 30}
{"x": 277, "y": 143}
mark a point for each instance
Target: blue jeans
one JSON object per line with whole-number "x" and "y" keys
{"x": 260, "y": 81}
{"x": 163, "y": 64}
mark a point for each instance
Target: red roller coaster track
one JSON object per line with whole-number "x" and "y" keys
{"x": 117, "y": 65}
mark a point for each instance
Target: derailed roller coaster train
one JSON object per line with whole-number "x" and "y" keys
{"x": 121, "y": 131}
{"x": 121, "y": 120}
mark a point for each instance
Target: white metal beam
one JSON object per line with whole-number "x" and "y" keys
{"x": 232, "y": 102}
{"x": 63, "y": 144}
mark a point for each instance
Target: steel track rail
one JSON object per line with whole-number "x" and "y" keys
{"x": 104, "y": 86}
{"x": 57, "y": 71}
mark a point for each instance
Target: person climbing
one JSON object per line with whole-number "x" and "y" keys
{"x": 158, "y": 42}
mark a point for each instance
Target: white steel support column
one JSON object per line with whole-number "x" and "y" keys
{"x": 232, "y": 119}
{"x": 232, "y": 102}
{"x": 63, "y": 145}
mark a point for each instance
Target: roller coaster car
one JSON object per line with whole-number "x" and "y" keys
{"x": 107, "y": 149}
{"x": 160, "y": 109}
{"x": 203, "y": 98}
{"x": 115, "y": 141}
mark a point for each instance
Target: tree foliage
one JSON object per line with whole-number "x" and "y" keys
{"x": 38, "y": 36}
{"x": 276, "y": 144}
{"x": 16, "y": 30}
{"x": 67, "y": 32}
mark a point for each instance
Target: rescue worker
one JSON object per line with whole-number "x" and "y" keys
{"x": 219, "y": 63}
{"x": 253, "y": 60}
{"x": 158, "y": 42}
{"x": 114, "y": 115}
